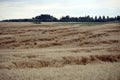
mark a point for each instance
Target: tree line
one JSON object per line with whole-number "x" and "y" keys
{"x": 49, "y": 18}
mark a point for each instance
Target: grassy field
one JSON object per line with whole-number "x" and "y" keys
{"x": 59, "y": 51}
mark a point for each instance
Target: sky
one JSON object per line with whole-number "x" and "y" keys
{"x": 15, "y": 9}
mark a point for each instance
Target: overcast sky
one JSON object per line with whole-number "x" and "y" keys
{"x": 13, "y": 9}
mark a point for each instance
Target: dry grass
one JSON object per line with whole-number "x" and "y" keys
{"x": 59, "y": 51}
{"x": 34, "y": 62}
{"x": 106, "y": 71}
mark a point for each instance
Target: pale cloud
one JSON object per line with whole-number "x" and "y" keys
{"x": 45, "y": 7}
{"x": 10, "y": 9}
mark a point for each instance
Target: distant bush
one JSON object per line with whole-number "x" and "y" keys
{"x": 37, "y": 22}
{"x": 49, "y": 18}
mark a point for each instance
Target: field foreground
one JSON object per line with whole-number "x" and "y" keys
{"x": 59, "y": 51}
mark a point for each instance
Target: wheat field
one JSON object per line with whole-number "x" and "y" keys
{"x": 59, "y": 51}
